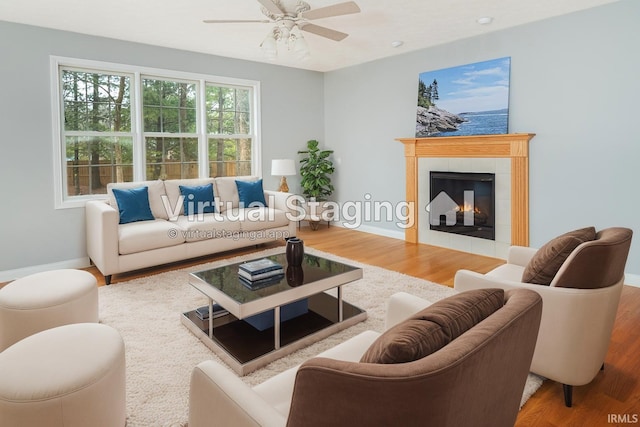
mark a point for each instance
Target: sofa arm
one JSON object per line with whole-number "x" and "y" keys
{"x": 520, "y": 255}
{"x": 279, "y": 200}
{"x": 466, "y": 280}
{"x": 401, "y": 305}
{"x": 574, "y": 321}
{"x": 102, "y": 236}
{"x": 218, "y": 397}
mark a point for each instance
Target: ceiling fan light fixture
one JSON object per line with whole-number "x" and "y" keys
{"x": 301, "y": 47}
{"x": 290, "y": 17}
{"x": 270, "y": 46}
{"x": 284, "y": 33}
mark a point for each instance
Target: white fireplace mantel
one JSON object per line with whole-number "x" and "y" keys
{"x": 513, "y": 146}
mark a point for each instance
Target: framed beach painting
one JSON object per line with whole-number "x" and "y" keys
{"x": 469, "y": 99}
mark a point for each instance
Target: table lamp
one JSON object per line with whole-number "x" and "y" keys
{"x": 283, "y": 168}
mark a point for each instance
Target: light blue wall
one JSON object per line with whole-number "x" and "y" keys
{"x": 32, "y": 232}
{"x": 574, "y": 82}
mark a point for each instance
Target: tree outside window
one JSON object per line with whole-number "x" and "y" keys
{"x": 97, "y": 130}
{"x": 170, "y": 129}
{"x": 229, "y": 131}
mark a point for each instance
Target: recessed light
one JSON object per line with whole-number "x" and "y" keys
{"x": 397, "y": 43}
{"x": 484, "y": 20}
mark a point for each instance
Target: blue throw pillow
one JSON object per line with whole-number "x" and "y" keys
{"x": 251, "y": 193}
{"x": 133, "y": 204}
{"x": 197, "y": 199}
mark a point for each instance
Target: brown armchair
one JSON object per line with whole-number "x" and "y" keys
{"x": 476, "y": 379}
{"x": 579, "y": 305}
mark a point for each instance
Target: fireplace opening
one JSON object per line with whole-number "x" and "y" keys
{"x": 463, "y": 203}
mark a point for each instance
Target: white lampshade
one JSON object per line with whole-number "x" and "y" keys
{"x": 283, "y": 167}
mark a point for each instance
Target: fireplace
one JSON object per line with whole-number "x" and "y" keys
{"x": 463, "y": 203}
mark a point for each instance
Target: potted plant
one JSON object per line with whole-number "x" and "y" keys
{"x": 316, "y": 169}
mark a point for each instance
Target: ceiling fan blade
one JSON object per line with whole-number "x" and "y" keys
{"x": 271, "y": 7}
{"x": 345, "y": 8}
{"x": 323, "y": 31}
{"x": 234, "y": 21}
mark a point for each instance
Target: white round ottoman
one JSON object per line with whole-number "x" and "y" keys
{"x": 71, "y": 376}
{"x": 46, "y": 300}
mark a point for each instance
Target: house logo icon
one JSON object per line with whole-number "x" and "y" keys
{"x": 443, "y": 205}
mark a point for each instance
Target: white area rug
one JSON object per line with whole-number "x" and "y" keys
{"x": 161, "y": 352}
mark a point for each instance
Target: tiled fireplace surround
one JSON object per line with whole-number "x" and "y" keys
{"x": 507, "y": 156}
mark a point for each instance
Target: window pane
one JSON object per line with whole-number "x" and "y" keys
{"x": 228, "y": 110}
{"x": 171, "y": 158}
{"x": 229, "y": 157}
{"x": 169, "y": 106}
{"x": 96, "y": 102}
{"x": 152, "y": 119}
{"x": 93, "y": 162}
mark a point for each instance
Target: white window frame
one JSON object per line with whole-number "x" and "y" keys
{"x": 62, "y": 201}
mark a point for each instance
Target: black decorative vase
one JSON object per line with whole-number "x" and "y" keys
{"x": 295, "y": 276}
{"x": 295, "y": 252}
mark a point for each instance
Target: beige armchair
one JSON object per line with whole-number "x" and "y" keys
{"x": 579, "y": 306}
{"x": 476, "y": 379}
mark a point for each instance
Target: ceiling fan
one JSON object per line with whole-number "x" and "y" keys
{"x": 290, "y": 17}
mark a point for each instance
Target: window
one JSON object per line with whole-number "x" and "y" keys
{"x": 228, "y": 131}
{"x": 170, "y": 129}
{"x": 96, "y": 130}
{"x": 116, "y": 123}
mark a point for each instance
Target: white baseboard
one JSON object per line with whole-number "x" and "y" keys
{"x": 7, "y": 275}
{"x": 374, "y": 230}
{"x": 632, "y": 280}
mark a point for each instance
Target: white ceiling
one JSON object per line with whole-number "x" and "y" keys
{"x": 178, "y": 24}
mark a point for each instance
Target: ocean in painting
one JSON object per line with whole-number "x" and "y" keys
{"x": 477, "y": 93}
{"x": 482, "y": 123}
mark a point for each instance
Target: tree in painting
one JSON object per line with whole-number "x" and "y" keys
{"x": 470, "y": 99}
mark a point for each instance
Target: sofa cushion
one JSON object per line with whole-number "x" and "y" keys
{"x": 198, "y": 199}
{"x": 156, "y": 191}
{"x": 133, "y": 204}
{"x": 250, "y": 193}
{"x": 544, "y": 265}
{"x": 227, "y": 190}
{"x": 434, "y": 327}
{"x": 207, "y": 226}
{"x": 259, "y": 218}
{"x": 146, "y": 235}
{"x": 174, "y": 206}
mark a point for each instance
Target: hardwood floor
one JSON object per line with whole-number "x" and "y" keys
{"x": 611, "y": 396}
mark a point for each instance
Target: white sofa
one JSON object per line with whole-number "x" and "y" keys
{"x": 171, "y": 236}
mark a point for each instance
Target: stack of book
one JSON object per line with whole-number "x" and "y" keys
{"x": 260, "y": 273}
{"x": 203, "y": 312}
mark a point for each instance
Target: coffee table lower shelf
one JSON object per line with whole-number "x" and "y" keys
{"x": 245, "y": 348}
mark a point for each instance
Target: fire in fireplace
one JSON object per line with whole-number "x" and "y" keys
{"x": 463, "y": 203}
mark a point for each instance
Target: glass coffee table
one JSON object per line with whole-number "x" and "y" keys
{"x": 299, "y": 308}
